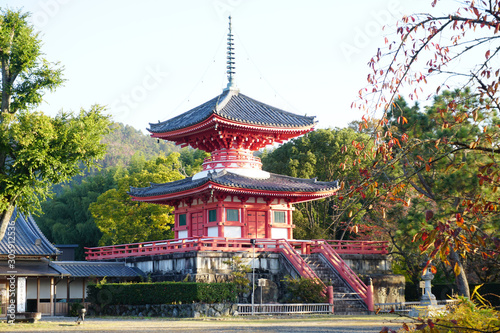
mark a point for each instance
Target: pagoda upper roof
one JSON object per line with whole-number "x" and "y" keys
{"x": 235, "y": 107}
{"x": 226, "y": 181}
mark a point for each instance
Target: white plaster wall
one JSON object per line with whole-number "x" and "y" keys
{"x": 183, "y": 234}
{"x": 279, "y": 233}
{"x": 232, "y": 232}
{"x": 165, "y": 265}
{"x": 75, "y": 288}
{"x": 145, "y": 266}
{"x": 62, "y": 289}
{"x": 213, "y": 231}
{"x": 31, "y": 288}
{"x": 44, "y": 288}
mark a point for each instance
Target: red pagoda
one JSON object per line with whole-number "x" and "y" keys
{"x": 233, "y": 197}
{"x": 233, "y": 206}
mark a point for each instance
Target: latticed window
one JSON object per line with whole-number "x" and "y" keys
{"x": 212, "y": 215}
{"x": 279, "y": 217}
{"x": 182, "y": 219}
{"x": 232, "y": 215}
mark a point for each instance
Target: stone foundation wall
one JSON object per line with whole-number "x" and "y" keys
{"x": 194, "y": 310}
{"x": 388, "y": 288}
{"x": 205, "y": 266}
{"x": 364, "y": 264}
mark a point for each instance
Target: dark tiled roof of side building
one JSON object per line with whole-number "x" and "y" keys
{"x": 275, "y": 183}
{"x": 237, "y": 107}
{"x": 97, "y": 269}
{"x": 25, "y": 242}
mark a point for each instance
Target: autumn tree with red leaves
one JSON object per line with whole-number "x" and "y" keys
{"x": 459, "y": 52}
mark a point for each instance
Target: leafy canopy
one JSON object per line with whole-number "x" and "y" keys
{"x": 36, "y": 150}
{"x": 122, "y": 220}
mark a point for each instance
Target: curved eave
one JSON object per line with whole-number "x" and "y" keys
{"x": 215, "y": 118}
{"x": 210, "y": 185}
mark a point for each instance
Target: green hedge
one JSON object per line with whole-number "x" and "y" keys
{"x": 161, "y": 293}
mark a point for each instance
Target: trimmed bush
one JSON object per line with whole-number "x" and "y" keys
{"x": 161, "y": 293}
{"x": 303, "y": 290}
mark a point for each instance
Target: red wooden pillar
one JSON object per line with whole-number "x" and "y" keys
{"x": 330, "y": 295}
{"x": 369, "y": 296}
{"x": 221, "y": 218}
{"x": 269, "y": 222}
{"x": 244, "y": 221}
{"x": 289, "y": 221}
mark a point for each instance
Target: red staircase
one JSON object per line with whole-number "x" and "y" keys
{"x": 298, "y": 262}
{"x": 364, "y": 291}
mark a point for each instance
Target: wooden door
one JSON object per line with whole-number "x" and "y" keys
{"x": 256, "y": 221}
{"x": 197, "y": 224}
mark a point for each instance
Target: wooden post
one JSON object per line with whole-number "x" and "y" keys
{"x": 330, "y": 296}
{"x": 83, "y": 290}
{"x": 68, "y": 298}
{"x": 51, "y": 296}
{"x": 38, "y": 294}
{"x": 369, "y": 296}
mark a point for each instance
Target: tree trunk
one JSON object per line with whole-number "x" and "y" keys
{"x": 5, "y": 219}
{"x": 460, "y": 279}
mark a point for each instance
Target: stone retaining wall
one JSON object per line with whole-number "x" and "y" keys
{"x": 194, "y": 310}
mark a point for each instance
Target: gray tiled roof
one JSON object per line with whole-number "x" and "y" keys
{"x": 237, "y": 107}
{"x": 97, "y": 269}
{"x": 31, "y": 268}
{"x": 26, "y": 234}
{"x": 276, "y": 183}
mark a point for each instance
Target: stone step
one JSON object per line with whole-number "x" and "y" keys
{"x": 344, "y": 301}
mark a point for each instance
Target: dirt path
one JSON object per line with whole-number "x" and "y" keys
{"x": 225, "y": 325}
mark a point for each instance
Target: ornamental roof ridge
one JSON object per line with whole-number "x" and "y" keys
{"x": 225, "y": 100}
{"x": 235, "y": 106}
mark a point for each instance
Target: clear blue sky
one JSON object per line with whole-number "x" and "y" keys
{"x": 152, "y": 60}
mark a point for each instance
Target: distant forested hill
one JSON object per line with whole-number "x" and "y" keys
{"x": 125, "y": 141}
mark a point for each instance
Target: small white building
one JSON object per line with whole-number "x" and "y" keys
{"x": 32, "y": 278}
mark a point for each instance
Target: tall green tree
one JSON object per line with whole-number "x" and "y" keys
{"x": 322, "y": 154}
{"x": 66, "y": 219}
{"x": 453, "y": 179}
{"x": 456, "y": 49}
{"x": 122, "y": 220}
{"x": 36, "y": 150}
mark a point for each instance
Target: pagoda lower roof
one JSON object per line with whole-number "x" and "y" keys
{"x": 235, "y": 107}
{"x": 225, "y": 181}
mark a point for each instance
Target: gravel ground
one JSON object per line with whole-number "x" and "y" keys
{"x": 335, "y": 324}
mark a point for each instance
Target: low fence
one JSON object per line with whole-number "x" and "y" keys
{"x": 405, "y": 307}
{"x": 246, "y": 309}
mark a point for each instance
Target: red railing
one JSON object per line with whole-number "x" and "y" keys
{"x": 359, "y": 247}
{"x": 225, "y": 244}
{"x": 364, "y": 291}
{"x": 179, "y": 245}
{"x": 204, "y": 244}
{"x": 297, "y": 261}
